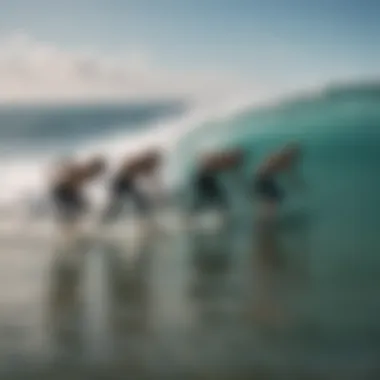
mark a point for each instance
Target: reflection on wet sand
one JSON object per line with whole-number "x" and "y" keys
{"x": 280, "y": 271}
{"x": 131, "y": 305}
{"x": 64, "y": 297}
{"x": 129, "y": 289}
{"x": 98, "y": 296}
{"x": 211, "y": 258}
{"x": 175, "y": 305}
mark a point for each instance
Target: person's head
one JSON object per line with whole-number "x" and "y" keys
{"x": 96, "y": 166}
{"x": 153, "y": 159}
{"x": 205, "y": 162}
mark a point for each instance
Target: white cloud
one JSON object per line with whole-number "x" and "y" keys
{"x": 32, "y": 70}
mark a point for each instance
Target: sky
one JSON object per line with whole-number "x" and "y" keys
{"x": 76, "y": 49}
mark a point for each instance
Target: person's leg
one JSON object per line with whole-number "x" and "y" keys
{"x": 197, "y": 197}
{"x": 143, "y": 205}
{"x": 210, "y": 193}
{"x": 113, "y": 209}
{"x": 220, "y": 198}
{"x": 197, "y": 203}
{"x": 69, "y": 207}
{"x": 270, "y": 197}
{"x": 193, "y": 200}
{"x": 267, "y": 213}
{"x": 147, "y": 224}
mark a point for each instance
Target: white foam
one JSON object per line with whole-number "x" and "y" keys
{"x": 24, "y": 179}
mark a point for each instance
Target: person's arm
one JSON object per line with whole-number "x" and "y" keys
{"x": 54, "y": 174}
{"x": 159, "y": 188}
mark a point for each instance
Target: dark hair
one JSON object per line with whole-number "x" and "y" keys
{"x": 97, "y": 164}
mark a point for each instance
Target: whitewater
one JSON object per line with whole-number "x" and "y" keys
{"x": 328, "y": 236}
{"x": 25, "y": 171}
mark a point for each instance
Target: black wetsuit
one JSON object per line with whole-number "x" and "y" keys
{"x": 267, "y": 189}
{"x": 69, "y": 201}
{"x": 208, "y": 191}
{"x": 122, "y": 188}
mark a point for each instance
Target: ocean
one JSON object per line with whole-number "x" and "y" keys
{"x": 328, "y": 235}
{"x": 35, "y": 137}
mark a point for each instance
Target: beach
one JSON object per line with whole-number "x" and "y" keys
{"x": 192, "y": 304}
{"x": 204, "y": 302}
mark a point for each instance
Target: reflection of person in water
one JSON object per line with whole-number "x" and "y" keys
{"x": 267, "y": 272}
{"x": 211, "y": 282}
{"x": 279, "y": 269}
{"x": 207, "y": 186}
{"x": 64, "y": 298}
{"x": 130, "y": 307}
{"x": 266, "y": 185}
{"x": 125, "y": 184}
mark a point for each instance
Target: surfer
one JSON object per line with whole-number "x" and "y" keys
{"x": 67, "y": 187}
{"x": 207, "y": 185}
{"x": 266, "y": 185}
{"x": 125, "y": 185}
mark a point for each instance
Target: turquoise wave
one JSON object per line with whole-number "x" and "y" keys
{"x": 338, "y": 219}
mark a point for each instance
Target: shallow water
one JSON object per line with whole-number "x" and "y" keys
{"x": 226, "y": 303}
{"x": 300, "y": 303}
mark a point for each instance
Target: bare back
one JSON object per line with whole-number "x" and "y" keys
{"x": 222, "y": 161}
{"x": 278, "y": 162}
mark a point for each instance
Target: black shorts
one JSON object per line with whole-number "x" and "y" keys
{"x": 208, "y": 191}
{"x": 267, "y": 189}
{"x": 68, "y": 202}
{"x": 126, "y": 188}
{"x": 121, "y": 186}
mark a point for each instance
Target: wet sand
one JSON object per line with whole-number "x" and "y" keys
{"x": 221, "y": 304}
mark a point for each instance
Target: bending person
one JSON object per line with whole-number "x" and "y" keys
{"x": 266, "y": 186}
{"x": 207, "y": 186}
{"x": 125, "y": 184}
{"x": 67, "y": 187}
